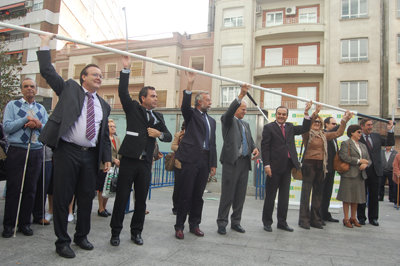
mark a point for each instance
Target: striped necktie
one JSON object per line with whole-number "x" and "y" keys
{"x": 90, "y": 125}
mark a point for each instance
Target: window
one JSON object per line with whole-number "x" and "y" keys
{"x": 137, "y": 69}
{"x": 353, "y": 92}
{"x": 111, "y": 71}
{"x": 308, "y": 15}
{"x": 160, "y": 68}
{"x": 354, "y": 9}
{"x": 64, "y": 73}
{"x": 273, "y": 57}
{"x": 229, "y": 93}
{"x": 37, "y": 5}
{"x": 233, "y": 17}
{"x": 31, "y": 57}
{"x": 78, "y": 68}
{"x": 274, "y": 18}
{"x": 308, "y": 93}
{"x": 109, "y": 99}
{"x": 197, "y": 62}
{"x": 271, "y": 101}
{"x": 308, "y": 55}
{"x": 354, "y": 50}
{"x": 232, "y": 55}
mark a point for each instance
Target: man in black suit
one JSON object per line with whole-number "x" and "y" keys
{"x": 329, "y": 125}
{"x": 198, "y": 155}
{"x": 374, "y": 143}
{"x": 236, "y": 153}
{"x": 143, "y": 126}
{"x": 77, "y": 130}
{"x": 279, "y": 156}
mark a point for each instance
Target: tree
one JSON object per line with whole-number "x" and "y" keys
{"x": 10, "y": 67}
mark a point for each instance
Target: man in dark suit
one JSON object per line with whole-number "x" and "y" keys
{"x": 388, "y": 155}
{"x": 77, "y": 130}
{"x": 143, "y": 126}
{"x": 279, "y": 156}
{"x": 329, "y": 125}
{"x": 198, "y": 155}
{"x": 374, "y": 143}
{"x": 235, "y": 158}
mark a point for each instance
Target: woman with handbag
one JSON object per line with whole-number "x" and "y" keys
{"x": 115, "y": 143}
{"x": 314, "y": 168}
{"x": 352, "y": 187}
{"x": 177, "y": 167}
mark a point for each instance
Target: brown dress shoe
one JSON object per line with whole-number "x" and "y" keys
{"x": 346, "y": 222}
{"x": 196, "y": 231}
{"x": 355, "y": 222}
{"x": 179, "y": 234}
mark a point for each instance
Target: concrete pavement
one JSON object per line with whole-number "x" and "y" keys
{"x": 334, "y": 245}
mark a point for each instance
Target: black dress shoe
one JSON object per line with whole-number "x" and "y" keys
{"x": 108, "y": 213}
{"x": 102, "y": 213}
{"x": 114, "y": 241}
{"x": 84, "y": 244}
{"x": 323, "y": 223}
{"x": 361, "y": 221}
{"x": 374, "y": 222}
{"x": 7, "y": 232}
{"x": 268, "y": 228}
{"x": 332, "y": 220}
{"x": 221, "y": 230}
{"x": 304, "y": 226}
{"x": 319, "y": 226}
{"x": 65, "y": 252}
{"x": 26, "y": 230}
{"x": 238, "y": 228}
{"x": 137, "y": 239}
{"x": 285, "y": 227}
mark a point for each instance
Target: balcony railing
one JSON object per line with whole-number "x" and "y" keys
{"x": 13, "y": 14}
{"x": 262, "y": 23}
{"x": 135, "y": 73}
{"x": 292, "y": 62}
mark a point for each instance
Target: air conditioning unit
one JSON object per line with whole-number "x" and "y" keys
{"x": 290, "y": 11}
{"x": 28, "y": 4}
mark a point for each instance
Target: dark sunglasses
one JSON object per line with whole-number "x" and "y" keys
{"x": 317, "y": 122}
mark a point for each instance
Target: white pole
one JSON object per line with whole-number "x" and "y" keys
{"x": 159, "y": 62}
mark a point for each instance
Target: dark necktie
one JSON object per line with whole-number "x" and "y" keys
{"x": 368, "y": 143}
{"x": 90, "y": 125}
{"x": 151, "y": 118}
{"x": 284, "y": 136}
{"x": 245, "y": 148}
{"x": 207, "y": 140}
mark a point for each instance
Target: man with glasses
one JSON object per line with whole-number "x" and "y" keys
{"x": 329, "y": 126}
{"x": 78, "y": 132}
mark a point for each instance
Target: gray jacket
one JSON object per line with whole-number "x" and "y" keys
{"x": 352, "y": 158}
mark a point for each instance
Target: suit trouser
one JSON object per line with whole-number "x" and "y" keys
{"x": 74, "y": 173}
{"x": 14, "y": 169}
{"x": 233, "y": 191}
{"x": 382, "y": 181}
{"x": 313, "y": 176}
{"x": 194, "y": 181}
{"x": 137, "y": 172}
{"x": 177, "y": 187}
{"x": 326, "y": 195}
{"x": 371, "y": 188}
{"x": 280, "y": 180}
{"x": 40, "y": 198}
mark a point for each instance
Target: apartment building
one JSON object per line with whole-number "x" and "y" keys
{"x": 343, "y": 53}
{"x": 89, "y": 20}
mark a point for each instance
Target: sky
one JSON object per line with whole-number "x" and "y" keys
{"x": 157, "y": 17}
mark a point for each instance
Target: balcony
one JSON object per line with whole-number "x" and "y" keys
{"x": 112, "y": 78}
{"x": 13, "y": 14}
{"x": 288, "y": 25}
{"x": 290, "y": 66}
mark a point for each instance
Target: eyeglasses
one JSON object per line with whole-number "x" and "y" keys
{"x": 358, "y": 131}
{"x": 96, "y": 75}
{"x": 317, "y": 122}
{"x": 29, "y": 86}
{"x": 333, "y": 124}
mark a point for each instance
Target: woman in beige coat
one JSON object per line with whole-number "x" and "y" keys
{"x": 352, "y": 187}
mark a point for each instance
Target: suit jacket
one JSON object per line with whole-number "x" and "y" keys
{"x": 388, "y": 165}
{"x": 232, "y": 135}
{"x": 191, "y": 145}
{"x": 275, "y": 148}
{"x": 396, "y": 168}
{"x": 378, "y": 141}
{"x": 69, "y": 107}
{"x": 137, "y": 139}
{"x": 353, "y": 158}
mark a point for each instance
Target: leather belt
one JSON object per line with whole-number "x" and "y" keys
{"x": 76, "y": 146}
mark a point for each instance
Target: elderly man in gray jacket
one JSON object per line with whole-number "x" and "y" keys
{"x": 388, "y": 155}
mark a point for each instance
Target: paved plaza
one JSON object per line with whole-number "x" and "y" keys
{"x": 335, "y": 245}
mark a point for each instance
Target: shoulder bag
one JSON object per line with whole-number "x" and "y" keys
{"x": 339, "y": 165}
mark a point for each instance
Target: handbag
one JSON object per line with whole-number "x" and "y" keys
{"x": 170, "y": 161}
{"x": 296, "y": 173}
{"x": 339, "y": 165}
{"x": 110, "y": 184}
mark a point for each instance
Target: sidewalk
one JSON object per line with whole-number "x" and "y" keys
{"x": 335, "y": 245}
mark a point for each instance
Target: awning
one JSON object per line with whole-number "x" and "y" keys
{"x": 12, "y": 6}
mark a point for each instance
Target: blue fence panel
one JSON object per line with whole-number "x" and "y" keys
{"x": 159, "y": 176}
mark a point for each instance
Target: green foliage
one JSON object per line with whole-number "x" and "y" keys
{"x": 10, "y": 67}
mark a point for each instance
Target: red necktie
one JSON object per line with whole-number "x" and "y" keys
{"x": 284, "y": 136}
{"x": 368, "y": 143}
